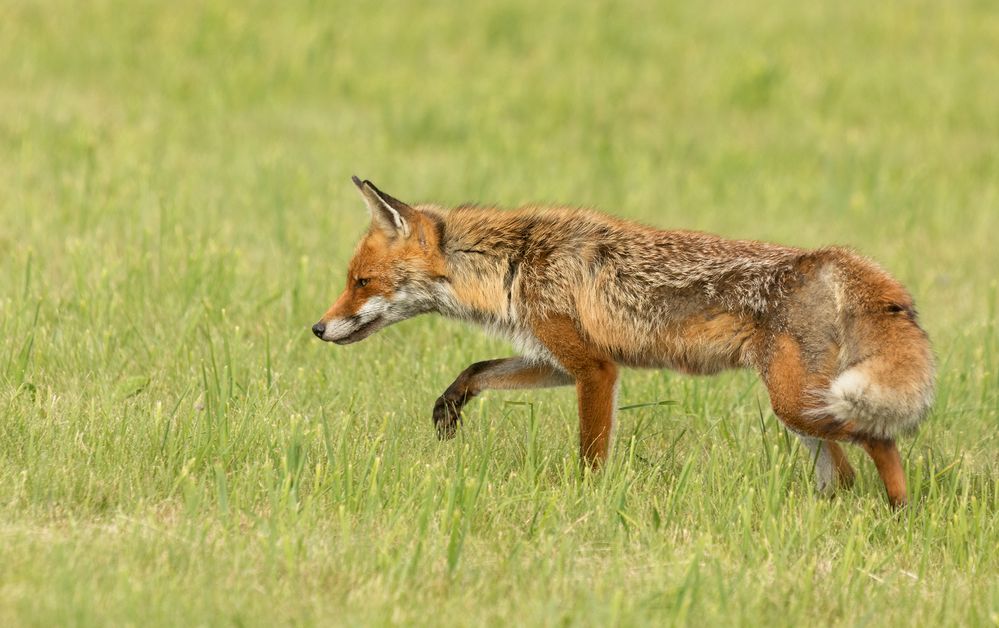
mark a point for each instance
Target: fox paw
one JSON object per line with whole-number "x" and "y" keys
{"x": 447, "y": 418}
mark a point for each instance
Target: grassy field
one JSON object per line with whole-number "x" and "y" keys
{"x": 176, "y": 210}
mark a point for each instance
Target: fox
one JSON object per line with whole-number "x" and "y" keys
{"x": 834, "y": 338}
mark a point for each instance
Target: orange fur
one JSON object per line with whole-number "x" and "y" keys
{"x": 843, "y": 468}
{"x": 596, "y": 382}
{"x": 886, "y": 458}
{"x": 834, "y": 337}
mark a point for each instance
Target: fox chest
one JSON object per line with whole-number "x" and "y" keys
{"x": 524, "y": 341}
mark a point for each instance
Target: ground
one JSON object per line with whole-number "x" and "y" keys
{"x": 176, "y": 210}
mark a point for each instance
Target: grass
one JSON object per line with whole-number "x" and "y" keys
{"x": 176, "y": 210}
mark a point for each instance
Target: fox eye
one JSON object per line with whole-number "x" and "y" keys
{"x": 360, "y": 283}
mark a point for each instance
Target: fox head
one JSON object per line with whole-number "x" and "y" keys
{"x": 396, "y": 271}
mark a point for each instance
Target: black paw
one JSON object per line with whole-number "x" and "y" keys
{"x": 447, "y": 418}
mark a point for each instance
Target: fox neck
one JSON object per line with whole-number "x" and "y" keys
{"x": 475, "y": 290}
{"x": 480, "y": 274}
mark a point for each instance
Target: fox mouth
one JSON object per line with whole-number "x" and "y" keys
{"x": 361, "y": 332}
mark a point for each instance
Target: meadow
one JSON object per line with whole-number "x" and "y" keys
{"x": 176, "y": 211}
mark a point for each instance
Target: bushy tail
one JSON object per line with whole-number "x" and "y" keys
{"x": 890, "y": 391}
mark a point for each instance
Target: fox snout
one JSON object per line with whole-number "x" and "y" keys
{"x": 339, "y": 330}
{"x": 344, "y": 330}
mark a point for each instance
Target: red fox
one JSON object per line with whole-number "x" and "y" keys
{"x": 581, "y": 294}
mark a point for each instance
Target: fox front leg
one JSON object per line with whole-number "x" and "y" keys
{"x": 503, "y": 374}
{"x": 596, "y": 384}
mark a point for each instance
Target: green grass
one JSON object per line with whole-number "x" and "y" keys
{"x": 176, "y": 210}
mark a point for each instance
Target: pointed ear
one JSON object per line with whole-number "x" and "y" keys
{"x": 390, "y": 215}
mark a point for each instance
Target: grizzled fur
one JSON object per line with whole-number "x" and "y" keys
{"x": 579, "y": 293}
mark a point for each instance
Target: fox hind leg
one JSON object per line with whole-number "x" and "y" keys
{"x": 832, "y": 469}
{"x": 788, "y": 380}
{"x": 844, "y": 472}
{"x": 825, "y": 467}
{"x": 888, "y": 461}
{"x": 502, "y": 374}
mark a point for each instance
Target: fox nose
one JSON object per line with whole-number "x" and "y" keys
{"x": 318, "y": 329}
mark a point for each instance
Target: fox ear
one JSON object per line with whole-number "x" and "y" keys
{"x": 388, "y": 214}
